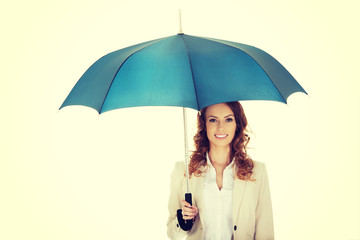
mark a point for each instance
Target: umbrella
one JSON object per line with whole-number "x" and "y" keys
{"x": 184, "y": 71}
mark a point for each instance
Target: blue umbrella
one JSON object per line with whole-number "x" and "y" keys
{"x": 185, "y": 71}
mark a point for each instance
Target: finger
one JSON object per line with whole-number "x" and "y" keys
{"x": 189, "y": 209}
{"x": 196, "y": 210}
{"x": 185, "y": 217}
{"x": 185, "y": 203}
{"x": 190, "y": 213}
{"x": 189, "y": 216}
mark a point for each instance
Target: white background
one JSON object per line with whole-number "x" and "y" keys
{"x": 73, "y": 174}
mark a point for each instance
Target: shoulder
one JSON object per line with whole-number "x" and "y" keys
{"x": 179, "y": 168}
{"x": 258, "y": 165}
{"x": 259, "y": 169}
{"x": 177, "y": 175}
{"x": 180, "y": 165}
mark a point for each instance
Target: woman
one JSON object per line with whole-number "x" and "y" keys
{"x": 230, "y": 191}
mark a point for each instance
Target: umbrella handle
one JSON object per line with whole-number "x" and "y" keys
{"x": 185, "y": 225}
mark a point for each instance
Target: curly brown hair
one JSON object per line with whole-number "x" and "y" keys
{"x": 242, "y": 160}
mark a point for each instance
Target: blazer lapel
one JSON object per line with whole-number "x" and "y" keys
{"x": 238, "y": 195}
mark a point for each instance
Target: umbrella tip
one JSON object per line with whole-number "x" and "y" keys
{"x": 180, "y": 29}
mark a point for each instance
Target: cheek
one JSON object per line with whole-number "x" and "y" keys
{"x": 209, "y": 130}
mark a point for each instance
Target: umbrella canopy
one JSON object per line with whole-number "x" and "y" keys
{"x": 185, "y": 71}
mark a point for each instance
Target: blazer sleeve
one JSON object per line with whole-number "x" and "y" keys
{"x": 264, "y": 215}
{"x": 174, "y": 230}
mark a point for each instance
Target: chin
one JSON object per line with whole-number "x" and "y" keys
{"x": 220, "y": 144}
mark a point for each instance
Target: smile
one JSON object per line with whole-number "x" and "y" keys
{"x": 221, "y": 136}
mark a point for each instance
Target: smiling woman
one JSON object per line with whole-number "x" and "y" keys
{"x": 231, "y": 193}
{"x": 208, "y": 137}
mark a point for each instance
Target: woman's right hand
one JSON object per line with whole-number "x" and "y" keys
{"x": 188, "y": 211}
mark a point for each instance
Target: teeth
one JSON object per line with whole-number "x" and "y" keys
{"x": 221, "y": 136}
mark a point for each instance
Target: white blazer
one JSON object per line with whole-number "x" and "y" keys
{"x": 252, "y": 210}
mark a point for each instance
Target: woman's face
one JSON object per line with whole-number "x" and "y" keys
{"x": 220, "y": 124}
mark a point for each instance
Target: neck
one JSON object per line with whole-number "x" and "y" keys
{"x": 220, "y": 155}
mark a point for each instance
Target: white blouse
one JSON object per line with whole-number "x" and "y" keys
{"x": 218, "y": 222}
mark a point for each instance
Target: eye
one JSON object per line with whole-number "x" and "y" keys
{"x": 229, "y": 119}
{"x": 212, "y": 120}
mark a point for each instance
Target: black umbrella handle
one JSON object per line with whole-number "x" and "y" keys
{"x": 185, "y": 225}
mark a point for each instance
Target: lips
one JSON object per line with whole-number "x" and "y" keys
{"x": 221, "y": 136}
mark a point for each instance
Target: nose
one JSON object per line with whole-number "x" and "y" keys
{"x": 220, "y": 126}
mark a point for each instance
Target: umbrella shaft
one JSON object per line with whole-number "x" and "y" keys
{"x": 186, "y": 150}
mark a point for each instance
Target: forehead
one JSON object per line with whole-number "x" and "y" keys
{"x": 218, "y": 110}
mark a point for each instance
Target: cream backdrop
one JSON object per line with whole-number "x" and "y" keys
{"x": 72, "y": 174}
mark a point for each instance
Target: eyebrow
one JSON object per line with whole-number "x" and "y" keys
{"x": 224, "y": 117}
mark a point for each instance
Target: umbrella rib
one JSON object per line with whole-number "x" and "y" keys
{"x": 230, "y": 45}
{"x": 192, "y": 72}
{"x": 132, "y": 53}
